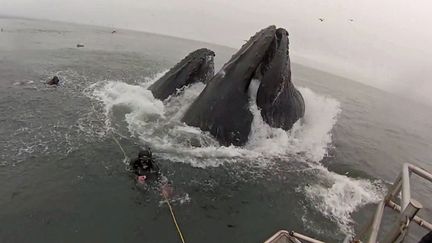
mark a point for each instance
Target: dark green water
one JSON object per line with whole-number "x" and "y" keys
{"x": 63, "y": 178}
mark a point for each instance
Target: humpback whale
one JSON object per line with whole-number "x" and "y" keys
{"x": 198, "y": 66}
{"x": 222, "y": 108}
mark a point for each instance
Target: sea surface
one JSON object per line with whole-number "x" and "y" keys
{"x": 64, "y": 178}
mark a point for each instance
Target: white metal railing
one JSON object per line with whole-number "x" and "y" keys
{"x": 408, "y": 209}
{"x": 407, "y": 214}
{"x": 283, "y": 236}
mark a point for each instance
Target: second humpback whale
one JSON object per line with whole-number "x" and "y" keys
{"x": 198, "y": 66}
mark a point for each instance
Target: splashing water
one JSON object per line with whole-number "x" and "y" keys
{"x": 335, "y": 196}
{"x": 310, "y": 136}
{"x": 338, "y": 196}
{"x": 159, "y": 124}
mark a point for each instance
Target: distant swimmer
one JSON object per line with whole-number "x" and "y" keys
{"x": 144, "y": 166}
{"x": 321, "y": 19}
{"x": 427, "y": 238}
{"x": 54, "y": 81}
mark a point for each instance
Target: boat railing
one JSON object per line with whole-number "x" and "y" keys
{"x": 407, "y": 214}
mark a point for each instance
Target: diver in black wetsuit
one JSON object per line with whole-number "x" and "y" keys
{"x": 146, "y": 170}
{"x": 144, "y": 165}
{"x": 427, "y": 238}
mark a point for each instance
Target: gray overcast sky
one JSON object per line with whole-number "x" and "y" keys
{"x": 387, "y": 45}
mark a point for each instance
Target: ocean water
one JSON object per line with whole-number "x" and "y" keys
{"x": 64, "y": 179}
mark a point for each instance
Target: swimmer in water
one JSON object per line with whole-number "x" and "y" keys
{"x": 145, "y": 170}
{"x": 144, "y": 166}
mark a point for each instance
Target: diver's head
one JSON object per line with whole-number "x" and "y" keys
{"x": 145, "y": 152}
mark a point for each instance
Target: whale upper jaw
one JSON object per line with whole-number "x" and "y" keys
{"x": 198, "y": 66}
{"x": 244, "y": 64}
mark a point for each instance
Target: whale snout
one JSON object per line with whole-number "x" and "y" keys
{"x": 198, "y": 66}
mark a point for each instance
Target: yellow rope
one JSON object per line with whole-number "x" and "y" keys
{"x": 163, "y": 194}
{"x": 112, "y": 135}
{"x": 174, "y": 218}
{"x": 121, "y": 148}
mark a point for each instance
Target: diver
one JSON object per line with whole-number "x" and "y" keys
{"x": 146, "y": 170}
{"x": 144, "y": 166}
{"x": 427, "y": 238}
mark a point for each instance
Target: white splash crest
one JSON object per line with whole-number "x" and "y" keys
{"x": 338, "y": 196}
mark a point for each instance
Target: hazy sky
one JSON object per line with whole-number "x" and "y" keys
{"x": 384, "y": 43}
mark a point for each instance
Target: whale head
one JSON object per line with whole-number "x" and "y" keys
{"x": 198, "y": 66}
{"x": 222, "y": 108}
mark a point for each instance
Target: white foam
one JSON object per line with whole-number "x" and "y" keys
{"x": 310, "y": 136}
{"x": 136, "y": 100}
{"x": 338, "y": 196}
{"x": 160, "y": 125}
